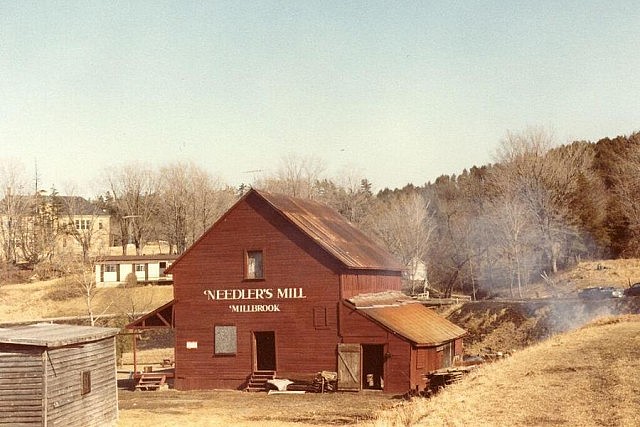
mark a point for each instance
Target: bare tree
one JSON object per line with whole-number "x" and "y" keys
{"x": 84, "y": 222}
{"x": 297, "y": 176}
{"x": 626, "y": 187}
{"x": 405, "y": 226}
{"x": 512, "y": 230}
{"x": 134, "y": 203}
{"x": 14, "y": 206}
{"x": 192, "y": 201}
{"x": 81, "y": 277}
{"x": 546, "y": 182}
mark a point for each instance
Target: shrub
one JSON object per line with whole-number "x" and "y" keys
{"x": 64, "y": 289}
{"x": 131, "y": 281}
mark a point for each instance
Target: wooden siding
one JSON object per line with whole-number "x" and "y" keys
{"x": 291, "y": 261}
{"x": 65, "y": 403}
{"x": 210, "y": 290}
{"x": 359, "y": 282}
{"x": 355, "y": 328}
{"x": 21, "y": 385}
{"x": 405, "y": 364}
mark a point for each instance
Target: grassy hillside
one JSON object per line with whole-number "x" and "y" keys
{"x": 585, "y": 377}
{"x": 57, "y": 298}
{"x": 614, "y": 272}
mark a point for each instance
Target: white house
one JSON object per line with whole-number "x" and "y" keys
{"x": 113, "y": 270}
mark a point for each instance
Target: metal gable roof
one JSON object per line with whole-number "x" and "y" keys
{"x": 333, "y": 232}
{"x": 324, "y": 226}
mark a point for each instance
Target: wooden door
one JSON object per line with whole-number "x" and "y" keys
{"x": 348, "y": 366}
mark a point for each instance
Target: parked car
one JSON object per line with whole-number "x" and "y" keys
{"x": 600, "y": 292}
{"x": 633, "y": 290}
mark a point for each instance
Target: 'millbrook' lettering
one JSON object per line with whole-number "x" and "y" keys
{"x": 254, "y": 308}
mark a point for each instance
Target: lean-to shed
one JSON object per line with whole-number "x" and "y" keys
{"x": 62, "y": 375}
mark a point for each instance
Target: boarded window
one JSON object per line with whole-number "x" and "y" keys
{"x": 320, "y": 318}
{"x": 225, "y": 340}
{"x": 254, "y": 265}
{"x": 86, "y": 382}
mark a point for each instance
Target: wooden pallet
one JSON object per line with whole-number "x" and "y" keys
{"x": 151, "y": 381}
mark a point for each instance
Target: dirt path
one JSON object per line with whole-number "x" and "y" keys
{"x": 223, "y": 408}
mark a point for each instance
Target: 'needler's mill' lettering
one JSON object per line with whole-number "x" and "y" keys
{"x": 253, "y": 295}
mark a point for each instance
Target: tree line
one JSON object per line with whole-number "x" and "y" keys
{"x": 537, "y": 209}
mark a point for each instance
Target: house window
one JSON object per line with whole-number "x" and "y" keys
{"x": 86, "y": 382}
{"x": 109, "y": 268}
{"x": 82, "y": 224}
{"x": 254, "y": 268}
{"x": 225, "y": 340}
{"x": 140, "y": 267}
{"x": 100, "y": 225}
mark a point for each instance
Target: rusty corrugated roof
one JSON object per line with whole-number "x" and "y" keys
{"x": 391, "y": 297}
{"x": 333, "y": 232}
{"x": 413, "y": 321}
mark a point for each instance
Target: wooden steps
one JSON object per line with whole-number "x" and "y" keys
{"x": 151, "y": 381}
{"x": 258, "y": 380}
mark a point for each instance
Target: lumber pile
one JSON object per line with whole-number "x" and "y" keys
{"x": 442, "y": 377}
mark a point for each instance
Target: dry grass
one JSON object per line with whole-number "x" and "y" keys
{"x": 582, "y": 378}
{"x": 29, "y": 302}
{"x": 585, "y": 377}
{"x": 615, "y": 272}
{"x": 225, "y": 408}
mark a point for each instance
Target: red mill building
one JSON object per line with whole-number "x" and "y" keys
{"x": 288, "y": 285}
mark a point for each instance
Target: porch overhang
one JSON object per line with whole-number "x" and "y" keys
{"x": 160, "y": 318}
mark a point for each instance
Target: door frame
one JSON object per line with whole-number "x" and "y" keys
{"x": 256, "y": 350}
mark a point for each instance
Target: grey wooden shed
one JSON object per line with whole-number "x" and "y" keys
{"x": 58, "y": 375}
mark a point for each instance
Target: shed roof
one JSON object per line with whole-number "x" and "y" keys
{"x": 333, "y": 232}
{"x": 407, "y": 318}
{"x": 53, "y": 335}
{"x": 161, "y": 317}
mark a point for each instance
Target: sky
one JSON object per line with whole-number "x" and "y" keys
{"x": 395, "y": 92}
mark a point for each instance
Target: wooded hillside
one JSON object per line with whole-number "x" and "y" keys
{"x": 534, "y": 212}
